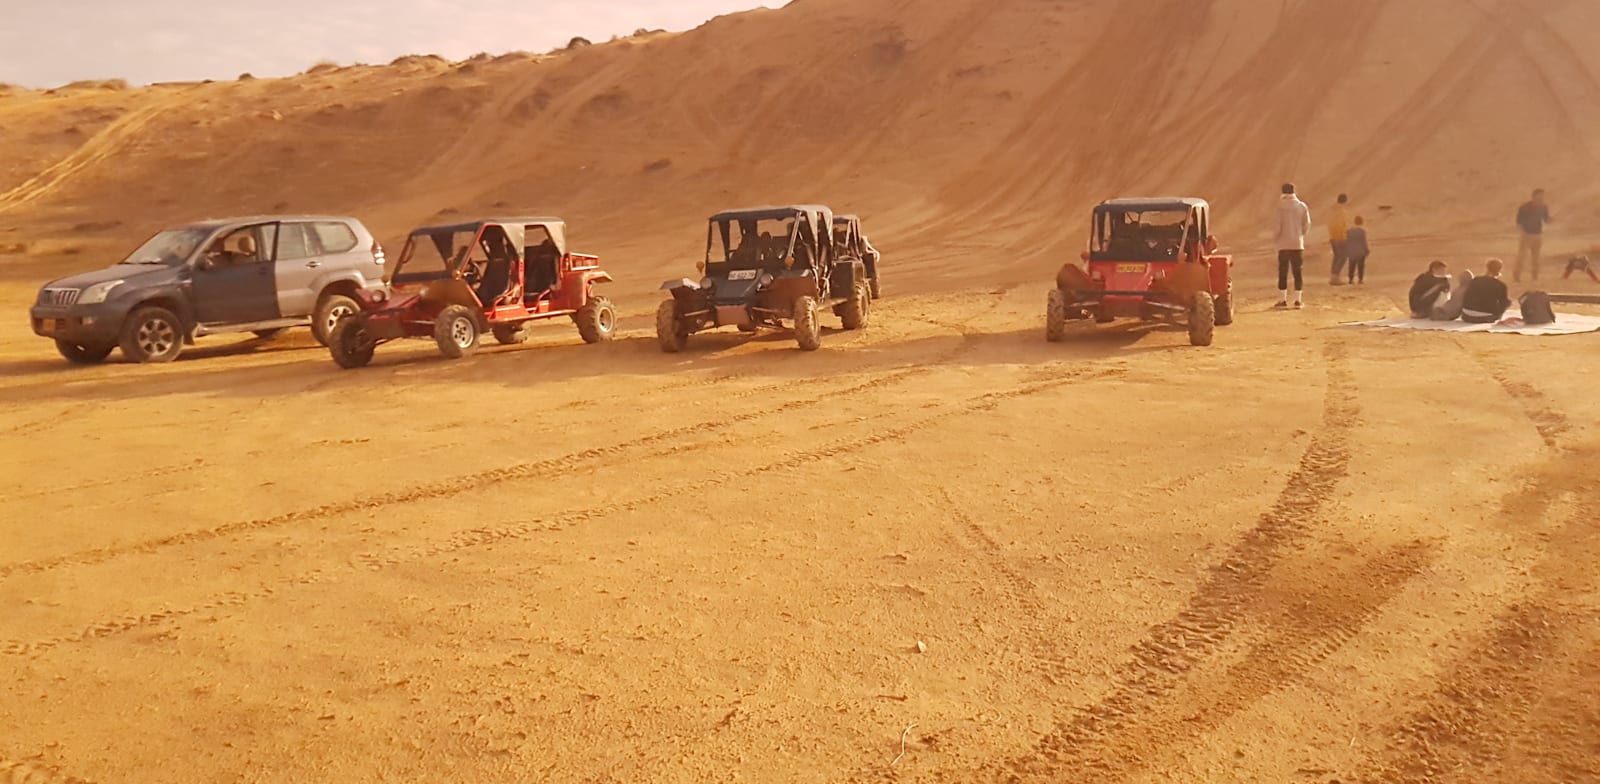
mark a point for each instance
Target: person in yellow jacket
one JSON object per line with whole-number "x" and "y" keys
{"x": 1338, "y": 233}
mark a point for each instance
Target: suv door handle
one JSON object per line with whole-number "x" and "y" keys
{"x": 313, "y": 264}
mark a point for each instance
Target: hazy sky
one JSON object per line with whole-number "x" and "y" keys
{"x": 47, "y": 43}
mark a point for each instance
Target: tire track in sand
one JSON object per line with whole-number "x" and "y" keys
{"x": 1095, "y": 742}
{"x": 35, "y": 773}
{"x": 970, "y": 536}
{"x": 489, "y": 535}
{"x": 111, "y": 140}
{"x": 1486, "y": 704}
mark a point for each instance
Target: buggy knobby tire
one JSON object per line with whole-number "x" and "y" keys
{"x": 807, "y": 329}
{"x": 670, "y": 332}
{"x": 509, "y": 334}
{"x": 152, "y": 334}
{"x": 330, "y": 311}
{"x": 1055, "y": 316}
{"x": 1224, "y": 307}
{"x": 349, "y": 344}
{"x": 83, "y": 355}
{"x": 456, "y": 331}
{"x": 597, "y": 321}
{"x": 1202, "y": 319}
{"x": 855, "y": 313}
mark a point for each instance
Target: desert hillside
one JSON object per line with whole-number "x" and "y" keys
{"x": 957, "y": 127}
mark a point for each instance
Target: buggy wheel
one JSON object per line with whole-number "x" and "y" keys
{"x": 152, "y": 335}
{"x": 83, "y": 355}
{"x": 456, "y": 331}
{"x": 330, "y": 310}
{"x": 1202, "y": 319}
{"x": 597, "y": 321}
{"x": 509, "y": 334}
{"x": 1055, "y": 316}
{"x": 670, "y": 332}
{"x": 807, "y": 330}
{"x": 1224, "y": 306}
{"x": 349, "y": 344}
{"x": 857, "y": 311}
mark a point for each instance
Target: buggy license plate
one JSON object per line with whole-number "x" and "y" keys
{"x": 742, "y": 275}
{"x": 1132, "y": 267}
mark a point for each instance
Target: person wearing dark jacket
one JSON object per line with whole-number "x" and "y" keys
{"x": 1487, "y": 298}
{"x": 1429, "y": 290}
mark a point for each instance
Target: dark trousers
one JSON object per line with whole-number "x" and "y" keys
{"x": 1582, "y": 264}
{"x": 1358, "y": 269}
{"x": 1291, "y": 260}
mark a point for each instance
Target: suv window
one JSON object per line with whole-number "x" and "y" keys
{"x": 335, "y": 237}
{"x": 294, "y": 242}
{"x": 248, "y": 245}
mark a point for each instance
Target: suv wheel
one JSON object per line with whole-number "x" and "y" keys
{"x": 807, "y": 330}
{"x": 330, "y": 310}
{"x": 456, "y": 331}
{"x": 669, "y": 330}
{"x": 1202, "y": 319}
{"x": 349, "y": 344}
{"x": 152, "y": 334}
{"x": 855, "y": 313}
{"x": 597, "y": 321}
{"x": 83, "y": 355}
{"x": 509, "y": 334}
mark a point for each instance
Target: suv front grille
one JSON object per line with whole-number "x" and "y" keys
{"x": 59, "y": 297}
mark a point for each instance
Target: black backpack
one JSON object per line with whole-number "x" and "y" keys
{"x": 1536, "y": 308}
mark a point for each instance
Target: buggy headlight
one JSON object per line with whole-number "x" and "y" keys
{"x": 789, "y": 262}
{"x": 97, "y": 293}
{"x": 706, "y": 282}
{"x": 765, "y": 280}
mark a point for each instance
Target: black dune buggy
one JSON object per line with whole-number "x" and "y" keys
{"x": 764, "y": 267}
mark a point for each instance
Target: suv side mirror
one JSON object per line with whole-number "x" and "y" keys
{"x": 206, "y": 264}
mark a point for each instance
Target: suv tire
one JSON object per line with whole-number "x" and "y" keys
{"x": 597, "y": 321}
{"x": 1202, "y": 319}
{"x": 509, "y": 334}
{"x": 330, "y": 309}
{"x": 152, "y": 334}
{"x": 669, "y": 331}
{"x": 456, "y": 331}
{"x": 857, "y": 311}
{"x": 807, "y": 330}
{"x": 349, "y": 344}
{"x": 1055, "y": 316}
{"x": 83, "y": 355}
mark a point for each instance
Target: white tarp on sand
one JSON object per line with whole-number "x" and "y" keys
{"x": 1565, "y": 324}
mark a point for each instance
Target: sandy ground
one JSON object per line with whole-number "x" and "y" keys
{"x": 1307, "y": 554}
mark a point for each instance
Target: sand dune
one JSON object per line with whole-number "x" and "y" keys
{"x": 939, "y": 549}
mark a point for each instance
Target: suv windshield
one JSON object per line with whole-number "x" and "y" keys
{"x": 169, "y": 248}
{"x": 747, "y": 243}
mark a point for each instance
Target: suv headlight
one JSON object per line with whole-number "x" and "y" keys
{"x": 97, "y": 293}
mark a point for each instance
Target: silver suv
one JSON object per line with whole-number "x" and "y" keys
{"x": 261, "y": 275}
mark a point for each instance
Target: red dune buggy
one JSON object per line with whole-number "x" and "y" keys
{"x": 1150, "y": 259}
{"x": 453, "y": 283}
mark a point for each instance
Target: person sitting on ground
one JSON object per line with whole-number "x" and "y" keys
{"x": 1487, "y": 298}
{"x": 1431, "y": 289}
{"x": 1356, "y": 250}
{"x": 1450, "y": 308}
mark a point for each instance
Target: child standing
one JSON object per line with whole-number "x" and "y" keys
{"x": 1356, "y": 250}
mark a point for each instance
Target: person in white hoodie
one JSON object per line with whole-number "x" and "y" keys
{"x": 1294, "y": 220}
